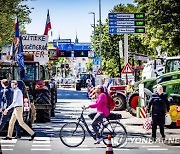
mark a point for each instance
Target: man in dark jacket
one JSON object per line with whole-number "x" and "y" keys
{"x": 160, "y": 105}
{"x": 6, "y": 97}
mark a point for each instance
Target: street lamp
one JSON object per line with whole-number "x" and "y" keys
{"x": 94, "y": 26}
{"x": 100, "y": 42}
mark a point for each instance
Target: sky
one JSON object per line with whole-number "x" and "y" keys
{"x": 68, "y": 17}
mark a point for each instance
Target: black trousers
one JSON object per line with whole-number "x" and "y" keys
{"x": 158, "y": 118}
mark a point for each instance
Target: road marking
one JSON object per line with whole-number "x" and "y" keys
{"x": 150, "y": 146}
{"x": 41, "y": 145}
{"x": 80, "y": 149}
{"x": 120, "y": 149}
{"x": 7, "y": 149}
{"x": 7, "y": 145}
{"x": 39, "y": 142}
{"x": 41, "y": 149}
{"x": 42, "y": 138}
{"x": 9, "y": 141}
{"x": 158, "y": 149}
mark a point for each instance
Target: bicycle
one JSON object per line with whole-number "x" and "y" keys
{"x": 72, "y": 134}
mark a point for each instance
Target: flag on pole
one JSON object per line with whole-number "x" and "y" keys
{"x": 20, "y": 59}
{"x": 17, "y": 53}
{"x": 48, "y": 24}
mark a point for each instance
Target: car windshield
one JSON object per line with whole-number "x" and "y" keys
{"x": 172, "y": 65}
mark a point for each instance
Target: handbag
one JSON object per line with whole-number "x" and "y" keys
{"x": 168, "y": 120}
{"x": 147, "y": 123}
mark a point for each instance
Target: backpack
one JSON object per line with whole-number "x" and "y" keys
{"x": 111, "y": 103}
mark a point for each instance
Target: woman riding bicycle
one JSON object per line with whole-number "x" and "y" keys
{"x": 102, "y": 110}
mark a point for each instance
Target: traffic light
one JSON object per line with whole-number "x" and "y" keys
{"x": 64, "y": 54}
{"x": 80, "y": 53}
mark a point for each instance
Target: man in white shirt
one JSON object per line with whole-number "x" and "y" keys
{"x": 17, "y": 113}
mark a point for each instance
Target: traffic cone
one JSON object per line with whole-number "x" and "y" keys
{"x": 109, "y": 149}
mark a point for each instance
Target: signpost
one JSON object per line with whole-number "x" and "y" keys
{"x": 126, "y": 23}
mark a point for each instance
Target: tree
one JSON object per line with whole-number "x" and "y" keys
{"x": 8, "y": 11}
{"x": 163, "y": 24}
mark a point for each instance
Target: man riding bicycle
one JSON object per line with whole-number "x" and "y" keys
{"x": 102, "y": 110}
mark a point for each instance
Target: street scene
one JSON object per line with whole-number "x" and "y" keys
{"x": 89, "y": 76}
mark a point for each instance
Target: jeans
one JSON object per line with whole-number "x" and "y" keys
{"x": 96, "y": 117}
{"x": 5, "y": 118}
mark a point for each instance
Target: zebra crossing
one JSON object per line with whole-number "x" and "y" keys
{"x": 8, "y": 145}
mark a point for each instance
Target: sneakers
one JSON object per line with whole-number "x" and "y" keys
{"x": 32, "y": 137}
{"x": 98, "y": 140}
{"x": 7, "y": 138}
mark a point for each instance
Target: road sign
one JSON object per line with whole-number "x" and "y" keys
{"x": 99, "y": 72}
{"x": 128, "y": 30}
{"x": 96, "y": 61}
{"x": 126, "y": 15}
{"x": 120, "y": 22}
{"x": 127, "y": 69}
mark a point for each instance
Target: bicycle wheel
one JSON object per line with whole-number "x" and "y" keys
{"x": 72, "y": 134}
{"x": 117, "y": 131}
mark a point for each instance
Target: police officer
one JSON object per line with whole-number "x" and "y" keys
{"x": 160, "y": 105}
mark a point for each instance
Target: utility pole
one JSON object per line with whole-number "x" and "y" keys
{"x": 100, "y": 32}
{"x": 94, "y": 26}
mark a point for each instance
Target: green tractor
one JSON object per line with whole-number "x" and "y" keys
{"x": 171, "y": 84}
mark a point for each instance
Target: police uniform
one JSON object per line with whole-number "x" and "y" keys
{"x": 160, "y": 105}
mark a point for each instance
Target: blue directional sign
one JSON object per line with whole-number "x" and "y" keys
{"x": 128, "y": 30}
{"x": 120, "y": 22}
{"x": 96, "y": 61}
{"x": 126, "y": 16}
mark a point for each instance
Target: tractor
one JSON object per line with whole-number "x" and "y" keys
{"x": 171, "y": 85}
{"x": 42, "y": 90}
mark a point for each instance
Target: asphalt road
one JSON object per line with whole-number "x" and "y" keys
{"x": 68, "y": 109}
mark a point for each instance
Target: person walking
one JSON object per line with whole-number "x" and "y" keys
{"x": 6, "y": 96}
{"x": 102, "y": 110}
{"x": 160, "y": 105}
{"x": 17, "y": 114}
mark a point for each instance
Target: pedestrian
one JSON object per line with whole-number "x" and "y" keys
{"x": 17, "y": 114}
{"x": 6, "y": 96}
{"x": 128, "y": 90}
{"x": 160, "y": 105}
{"x": 102, "y": 110}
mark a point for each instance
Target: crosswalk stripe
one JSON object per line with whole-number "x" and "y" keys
{"x": 7, "y": 145}
{"x": 39, "y": 142}
{"x": 150, "y": 146}
{"x": 9, "y": 141}
{"x": 120, "y": 149}
{"x": 41, "y": 145}
{"x": 157, "y": 149}
{"x": 41, "y": 149}
{"x": 6, "y": 149}
{"x": 84, "y": 149}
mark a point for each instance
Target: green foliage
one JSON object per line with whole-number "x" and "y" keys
{"x": 163, "y": 24}
{"x": 9, "y": 9}
{"x": 89, "y": 65}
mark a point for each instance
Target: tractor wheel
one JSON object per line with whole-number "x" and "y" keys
{"x": 134, "y": 98}
{"x": 120, "y": 101}
{"x": 43, "y": 97}
{"x": 133, "y": 102}
{"x": 53, "y": 101}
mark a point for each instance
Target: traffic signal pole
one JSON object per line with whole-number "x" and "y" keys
{"x": 125, "y": 49}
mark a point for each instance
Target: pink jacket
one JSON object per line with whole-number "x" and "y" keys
{"x": 101, "y": 105}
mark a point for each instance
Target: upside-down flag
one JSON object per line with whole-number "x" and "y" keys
{"x": 48, "y": 24}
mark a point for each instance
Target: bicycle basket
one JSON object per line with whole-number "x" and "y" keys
{"x": 114, "y": 116}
